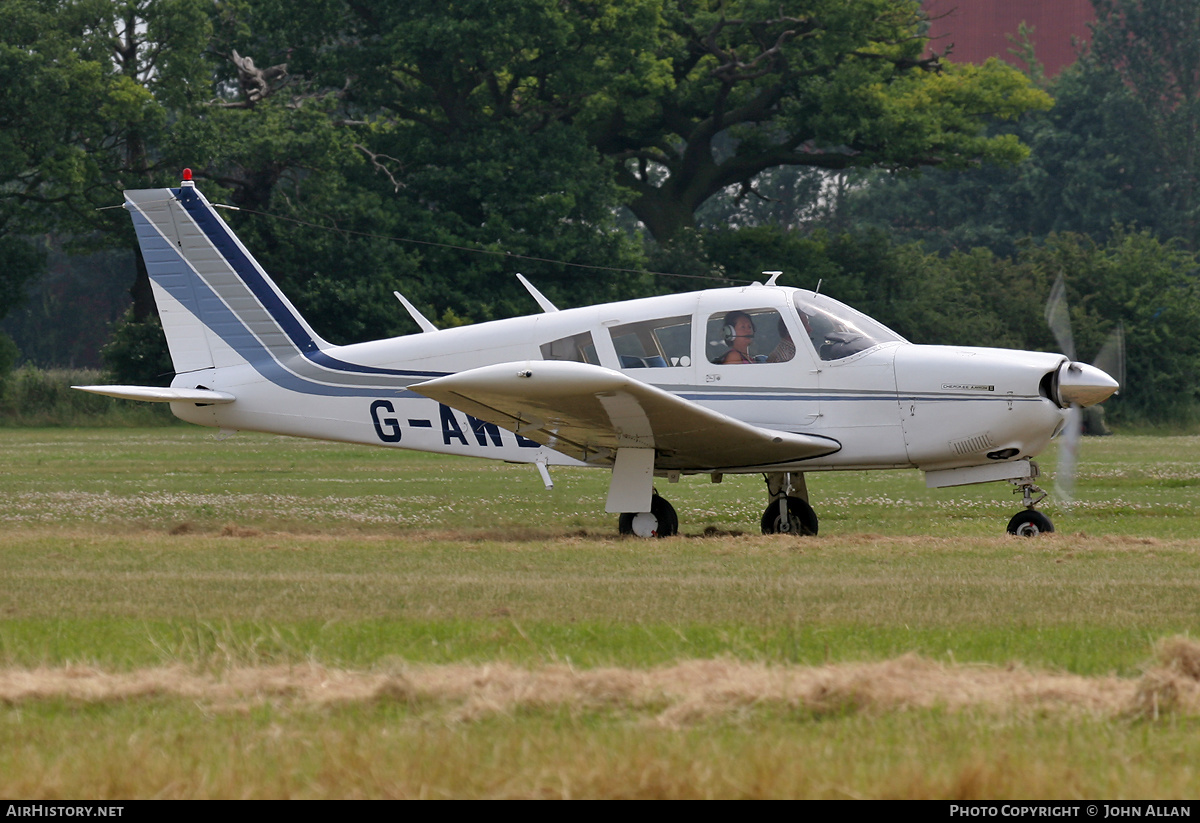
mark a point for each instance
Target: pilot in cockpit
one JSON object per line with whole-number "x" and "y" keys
{"x": 739, "y": 334}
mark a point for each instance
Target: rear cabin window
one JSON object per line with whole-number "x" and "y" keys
{"x": 654, "y": 344}
{"x": 578, "y": 348}
{"x": 748, "y": 336}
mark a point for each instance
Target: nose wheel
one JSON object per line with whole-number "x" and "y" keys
{"x": 1031, "y": 522}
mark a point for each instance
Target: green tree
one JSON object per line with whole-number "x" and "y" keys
{"x": 683, "y": 99}
{"x": 828, "y": 84}
{"x": 431, "y": 127}
{"x": 1154, "y": 47}
{"x": 159, "y": 46}
{"x": 1119, "y": 148}
{"x": 57, "y": 118}
{"x": 85, "y": 114}
{"x": 1151, "y": 287}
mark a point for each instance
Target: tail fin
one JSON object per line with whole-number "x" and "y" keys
{"x": 218, "y": 307}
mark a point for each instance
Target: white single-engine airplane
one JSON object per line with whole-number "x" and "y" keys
{"x": 762, "y": 379}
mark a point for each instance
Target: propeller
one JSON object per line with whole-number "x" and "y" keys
{"x": 1058, "y": 317}
{"x": 1079, "y": 382}
{"x": 1111, "y": 358}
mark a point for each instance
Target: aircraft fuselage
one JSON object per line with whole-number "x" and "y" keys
{"x": 894, "y": 404}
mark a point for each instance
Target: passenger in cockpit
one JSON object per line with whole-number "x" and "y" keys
{"x": 785, "y": 350}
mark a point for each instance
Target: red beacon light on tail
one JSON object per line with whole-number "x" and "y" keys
{"x": 187, "y": 178}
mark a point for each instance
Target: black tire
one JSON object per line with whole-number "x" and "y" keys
{"x": 1030, "y": 523}
{"x": 660, "y": 521}
{"x": 802, "y": 520}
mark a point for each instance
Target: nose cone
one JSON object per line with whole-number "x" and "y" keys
{"x": 1084, "y": 385}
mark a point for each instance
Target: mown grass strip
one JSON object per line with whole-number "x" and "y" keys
{"x": 124, "y": 644}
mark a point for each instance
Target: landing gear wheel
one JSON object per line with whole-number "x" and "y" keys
{"x": 1029, "y": 523}
{"x": 660, "y": 521}
{"x": 801, "y": 519}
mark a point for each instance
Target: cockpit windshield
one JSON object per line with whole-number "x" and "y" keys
{"x": 838, "y": 331}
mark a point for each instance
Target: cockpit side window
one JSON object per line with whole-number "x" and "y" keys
{"x": 838, "y": 331}
{"x": 654, "y": 344}
{"x": 748, "y": 336}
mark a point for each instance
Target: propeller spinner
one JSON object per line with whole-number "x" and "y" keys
{"x": 1082, "y": 385}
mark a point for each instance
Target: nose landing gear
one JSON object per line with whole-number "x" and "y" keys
{"x": 1031, "y": 522}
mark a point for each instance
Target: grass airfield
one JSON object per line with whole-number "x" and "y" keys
{"x": 187, "y": 617}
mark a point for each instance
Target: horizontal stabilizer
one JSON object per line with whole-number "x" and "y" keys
{"x": 589, "y": 412}
{"x": 155, "y": 394}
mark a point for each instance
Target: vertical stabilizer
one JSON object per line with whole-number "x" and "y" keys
{"x": 218, "y": 307}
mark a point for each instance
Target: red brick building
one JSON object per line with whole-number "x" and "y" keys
{"x": 979, "y": 29}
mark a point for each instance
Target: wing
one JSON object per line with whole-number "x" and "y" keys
{"x": 588, "y": 412}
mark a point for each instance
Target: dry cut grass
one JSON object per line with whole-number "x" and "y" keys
{"x": 673, "y": 696}
{"x": 1170, "y": 687}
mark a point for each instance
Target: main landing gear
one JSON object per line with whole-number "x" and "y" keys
{"x": 660, "y": 521}
{"x": 787, "y": 513}
{"x": 1031, "y": 522}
